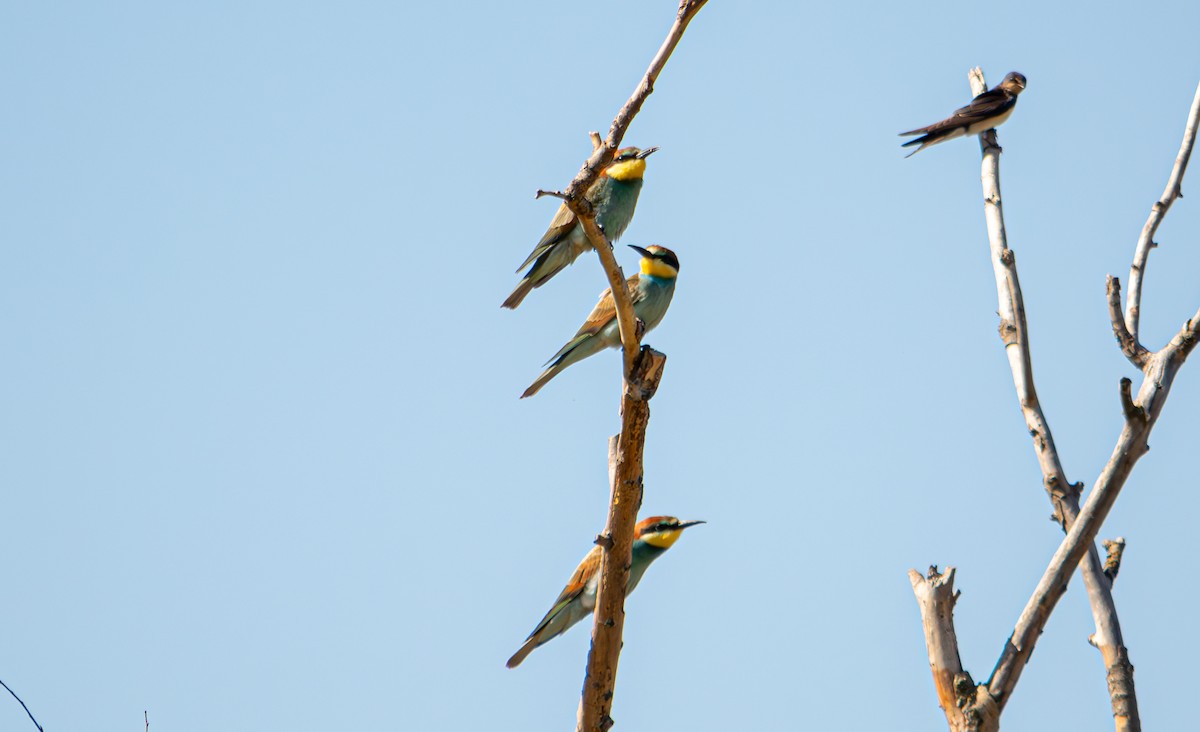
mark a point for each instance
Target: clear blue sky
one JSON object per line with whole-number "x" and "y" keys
{"x": 262, "y": 457}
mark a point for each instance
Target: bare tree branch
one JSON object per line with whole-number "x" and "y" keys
{"x": 1134, "y": 351}
{"x": 1141, "y": 414}
{"x": 967, "y": 706}
{"x": 1130, "y": 447}
{"x": 1014, "y": 331}
{"x": 625, "y": 475}
{"x": 1137, "y": 271}
{"x": 551, "y": 194}
{"x": 602, "y": 155}
{"x": 642, "y": 372}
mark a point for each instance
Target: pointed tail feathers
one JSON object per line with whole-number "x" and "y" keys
{"x": 521, "y": 653}
{"x": 542, "y": 380}
{"x": 523, "y": 288}
{"x": 579, "y": 348}
{"x": 924, "y": 142}
{"x": 547, "y": 260}
{"x": 933, "y": 138}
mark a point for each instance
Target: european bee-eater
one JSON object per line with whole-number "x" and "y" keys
{"x": 613, "y": 197}
{"x": 651, "y": 292}
{"x": 985, "y": 111}
{"x": 652, "y": 538}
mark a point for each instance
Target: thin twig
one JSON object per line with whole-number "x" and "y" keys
{"x": 1141, "y": 255}
{"x": 1014, "y": 331}
{"x": 14, "y": 696}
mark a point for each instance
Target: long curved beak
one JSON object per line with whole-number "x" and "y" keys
{"x": 685, "y": 524}
{"x": 647, "y": 152}
{"x": 645, "y": 253}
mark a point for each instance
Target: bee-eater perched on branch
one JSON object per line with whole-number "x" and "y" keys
{"x": 613, "y": 197}
{"x": 651, "y": 292}
{"x": 985, "y": 111}
{"x": 652, "y": 537}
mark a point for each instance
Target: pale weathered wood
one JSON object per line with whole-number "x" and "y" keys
{"x": 968, "y": 708}
{"x": 1014, "y": 331}
{"x": 1141, "y": 254}
{"x": 1134, "y": 351}
{"x": 1159, "y": 370}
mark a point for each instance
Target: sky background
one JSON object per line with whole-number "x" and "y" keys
{"x": 261, "y": 452}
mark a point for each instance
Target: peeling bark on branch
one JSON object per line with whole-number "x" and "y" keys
{"x": 1112, "y": 563}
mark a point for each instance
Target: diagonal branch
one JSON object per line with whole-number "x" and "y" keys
{"x": 642, "y": 372}
{"x": 1064, "y": 496}
{"x": 1131, "y": 445}
{"x": 1159, "y": 370}
{"x": 1137, "y": 271}
{"x": 602, "y": 155}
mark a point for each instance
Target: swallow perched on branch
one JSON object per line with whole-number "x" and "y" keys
{"x": 985, "y": 111}
{"x": 652, "y": 537}
{"x": 651, "y": 292}
{"x": 613, "y": 197}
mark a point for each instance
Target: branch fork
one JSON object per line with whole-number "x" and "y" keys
{"x": 1081, "y": 524}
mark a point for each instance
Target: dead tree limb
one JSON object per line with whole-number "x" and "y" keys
{"x": 979, "y": 709}
{"x": 1141, "y": 255}
{"x": 625, "y": 474}
{"x": 602, "y": 155}
{"x": 1064, "y": 495}
{"x": 1141, "y": 413}
{"x": 642, "y": 370}
{"x": 968, "y": 708}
